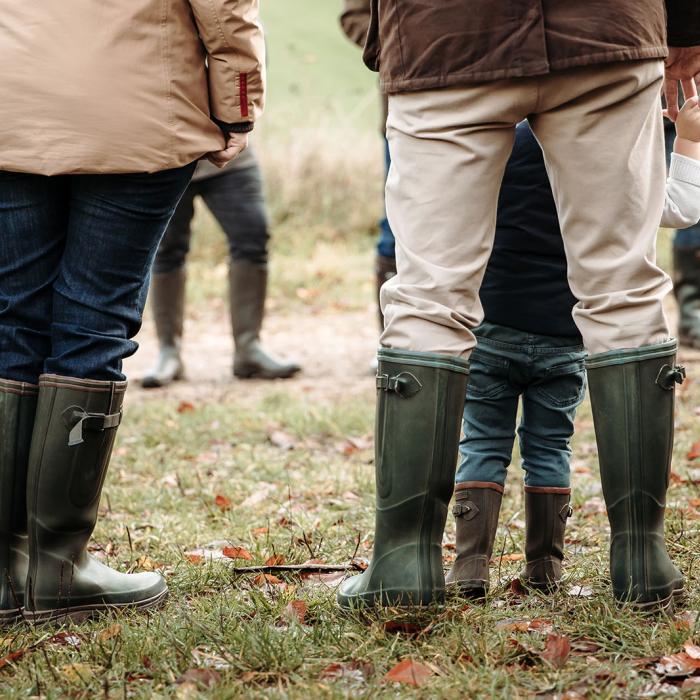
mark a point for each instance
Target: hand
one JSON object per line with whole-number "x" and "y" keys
{"x": 688, "y": 121}
{"x": 682, "y": 64}
{"x": 235, "y": 145}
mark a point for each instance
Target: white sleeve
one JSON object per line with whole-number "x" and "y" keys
{"x": 682, "y": 205}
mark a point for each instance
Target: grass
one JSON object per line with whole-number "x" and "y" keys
{"x": 299, "y": 490}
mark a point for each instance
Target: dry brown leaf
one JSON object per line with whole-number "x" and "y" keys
{"x": 274, "y": 560}
{"x": 67, "y": 639}
{"x": 109, "y": 632}
{"x": 79, "y": 672}
{"x": 237, "y": 553}
{"x": 145, "y": 563}
{"x": 515, "y": 556}
{"x": 297, "y": 610}
{"x": 557, "y": 650}
{"x": 511, "y": 625}
{"x": 693, "y": 650}
{"x": 694, "y": 451}
{"x": 259, "y": 531}
{"x": 194, "y": 558}
{"x": 222, "y": 502}
{"x": 185, "y": 407}
{"x": 267, "y": 579}
{"x": 403, "y": 627}
{"x": 355, "y": 671}
{"x": 409, "y": 672}
{"x": 677, "y": 665}
{"x": 200, "y": 676}
{"x": 690, "y": 682}
{"x": 581, "y": 591}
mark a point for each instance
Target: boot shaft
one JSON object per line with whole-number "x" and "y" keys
{"x": 546, "y": 513}
{"x": 247, "y": 293}
{"x": 17, "y": 409}
{"x": 632, "y": 395}
{"x": 74, "y": 432}
{"x": 167, "y": 299}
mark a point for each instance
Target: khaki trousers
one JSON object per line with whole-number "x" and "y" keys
{"x": 602, "y": 135}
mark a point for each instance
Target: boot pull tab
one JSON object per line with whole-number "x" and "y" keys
{"x": 669, "y": 376}
{"x": 77, "y": 420}
{"x": 566, "y": 512}
{"x": 404, "y": 384}
{"x": 468, "y": 510}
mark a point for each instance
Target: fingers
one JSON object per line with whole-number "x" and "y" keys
{"x": 689, "y": 88}
{"x": 671, "y": 95}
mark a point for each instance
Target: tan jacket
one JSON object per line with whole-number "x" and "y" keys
{"x": 124, "y": 85}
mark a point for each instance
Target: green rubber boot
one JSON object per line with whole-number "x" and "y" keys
{"x": 419, "y": 408}
{"x": 17, "y": 409}
{"x": 74, "y": 432}
{"x": 632, "y": 394}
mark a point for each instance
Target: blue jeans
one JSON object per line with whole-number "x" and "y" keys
{"x": 548, "y": 374}
{"x": 686, "y": 237}
{"x": 386, "y": 246}
{"x": 75, "y": 257}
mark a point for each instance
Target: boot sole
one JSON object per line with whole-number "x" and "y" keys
{"x": 80, "y": 613}
{"x": 11, "y": 617}
{"x": 391, "y": 599}
{"x": 256, "y": 374}
{"x": 467, "y": 590}
{"x": 662, "y": 605}
{"x": 153, "y": 383}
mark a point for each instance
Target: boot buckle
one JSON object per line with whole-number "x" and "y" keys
{"x": 77, "y": 420}
{"x": 669, "y": 376}
{"x": 404, "y": 384}
{"x": 566, "y": 512}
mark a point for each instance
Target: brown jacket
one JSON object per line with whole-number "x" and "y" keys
{"x": 127, "y": 85}
{"x": 421, "y": 44}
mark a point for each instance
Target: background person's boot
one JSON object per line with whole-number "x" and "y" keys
{"x": 686, "y": 282}
{"x": 248, "y": 290}
{"x": 167, "y": 295}
{"x": 632, "y": 395}
{"x": 476, "y": 510}
{"x": 420, "y": 400}
{"x": 74, "y": 431}
{"x": 17, "y": 409}
{"x": 546, "y": 513}
{"x": 385, "y": 269}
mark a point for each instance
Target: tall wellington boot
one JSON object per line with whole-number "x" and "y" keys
{"x": 419, "y": 411}
{"x": 632, "y": 394}
{"x": 167, "y": 295}
{"x": 74, "y": 431}
{"x": 385, "y": 269}
{"x": 17, "y": 409}
{"x": 546, "y": 513}
{"x": 686, "y": 281}
{"x": 248, "y": 290}
{"x": 476, "y": 510}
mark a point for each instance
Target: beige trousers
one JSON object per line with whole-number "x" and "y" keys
{"x": 602, "y": 135}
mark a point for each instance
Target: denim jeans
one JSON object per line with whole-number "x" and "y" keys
{"x": 236, "y": 199}
{"x": 386, "y": 246}
{"x": 547, "y": 375}
{"x": 75, "y": 257}
{"x": 685, "y": 237}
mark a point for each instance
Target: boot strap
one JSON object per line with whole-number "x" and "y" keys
{"x": 78, "y": 420}
{"x": 404, "y": 384}
{"x": 668, "y": 376}
{"x": 467, "y": 510}
{"x": 566, "y": 512}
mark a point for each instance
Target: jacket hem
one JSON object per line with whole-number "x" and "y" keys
{"x": 527, "y": 71}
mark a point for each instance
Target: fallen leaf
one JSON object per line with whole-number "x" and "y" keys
{"x": 283, "y": 440}
{"x": 297, "y": 610}
{"x": 515, "y": 556}
{"x": 511, "y": 625}
{"x": 275, "y": 560}
{"x": 557, "y": 650}
{"x": 693, "y": 650}
{"x": 694, "y": 451}
{"x": 409, "y": 672}
{"x": 222, "y": 502}
{"x": 585, "y": 646}
{"x": 79, "y": 672}
{"x": 687, "y": 618}
{"x": 690, "y": 682}
{"x": 200, "y": 676}
{"x": 185, "y": 407}
{"x": 581, "y": 591}
{"x": 146, "y": 563}
{"x": 194, "y": 558}
{"x": 237, "y": 553}
{"x": 354, "y": 671}
{"x": 14, "y": 656}
{"x": 68, "y": 639}
{"x": 267, "y": 579}
{"x": 110, "y": 632}
{"x": 259, "y": 531}
{"x": 677, "y": 665}
{"x": 403, "y": 627}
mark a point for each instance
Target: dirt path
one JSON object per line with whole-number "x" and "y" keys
{"x": 335, "y": 350}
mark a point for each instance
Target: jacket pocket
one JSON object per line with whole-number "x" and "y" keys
{"x": 371, "y": 54}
